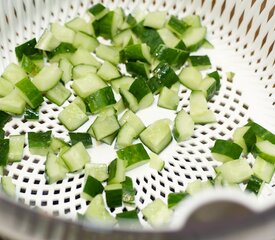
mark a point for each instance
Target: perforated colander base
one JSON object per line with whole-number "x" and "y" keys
{"x": 240, "y": 32}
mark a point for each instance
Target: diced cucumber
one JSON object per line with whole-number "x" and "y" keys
{"x": 66, "y": 68}
{"x": 168, "y": 99}
{"x": 183, "y": 126}
{"x": 119, "y": 106}
{"x": 128, "y": 191}
{"x": 100, "y": 99}
{"x": 83, "y": 70}
{"x": 58, "y": 94}
{"x": 157, "y": 136}
{"x": 155, "y": 19}
{"x": 31, "y": 114}
{"x": 108, "y": 53}
{"x": 47, "y": 41}
{"x": 82, "y": 56}
{"x": 64, "y": 50}
{"x": 138, "y": 69}
{"x": 236, "y": 171}
{"x": 80, "y": 25}
{"x": 80, "y": 103}
{"x": 176, "y": 198}
{"x": 116, "y": 171}
{"x": 57, "y": 144}
{"x": 27, "y": 49}
{"x": 134, "y": 155}
{"x": 8, "y": 186}
{"x": 92, "y": 187}
{"x": 76, "y": 157}
{"x": 209, "y": 87}
{"x": 14, "y": 73}
{"x": 129, "y": 100}
{"x": 156, "y": 162}
{"x": 29, "y": 92}
{"x": 192, "y": 20}
{"x": 4, "y": 151}
{"x": 139, "y": 89}
{"x": 261, "y": 132}
{"x": 238, "y": 137}
{"x": 123, "y": 82}
{"x": 85, "y": 86}
{"x": 197, "y": 186}
{"x": 123, "y": 38}
{"x": 169, "y": 39}
{"x": 4, "y": 118}
{"x": 97, "y": 170}
{"x": 16, "y": 147}
{"x": 5, "y": 87}
{"x": 72, "y": 117}
{"x": 39, "y": 142}
{"x": 13, "y": 103}
{"x": 29, "y": 66}
{"x": 128, "y": 215}
{"x": 85, "y": 41}
{"x": 113, "y": 195}
{"x": 254, "y": 185}
{"x": 263, "y": 169}
{"x": 200, "y": 62}
{"x": 108, "y": 71}
{"x": 77, "y": 137}
{"x": 136, "y": 52}
{"x": 53, "y": 169}
{"x": 191, "y": 78}
{"x": 62, "y": 33}
{"x": 47, "y": 78}
{"x": 225, "y": 150}
{"x": 266, "y": 150}
{"x": 157, "y": 213}
{"x": 98, "y": 11}
{"x": 126, "y": 136}
{"x": 96, "y": 211}
{"x": 177, "y": 26}
{"x": 193, "y": 37}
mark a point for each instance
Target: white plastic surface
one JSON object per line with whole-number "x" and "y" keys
{"x": 243, "y": 35}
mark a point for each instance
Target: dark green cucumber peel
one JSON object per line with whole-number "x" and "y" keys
{"x": 128, "y": 191}
{"x": 85, "y": 138}
{"x": 177, "y": 26}
{"x": 139, "y": 88}
{"x": 28, "y": 65}
{"x": 28, "y": 49}
{"x": 4, "y": 151}
{"x": 175, "y": 198}
{"x": 4, "y": 118}
{"x": 227, "y": 148}
{"x": 93, "y": 187}
{"x": 254, "y": 185}
{"x": 137, "y": 68}
{"x": 39, "y": 139}
{"x": 217, "y": 77}
{"x": 31, "y": 114}
{"x": 261, "y": 132}
{"x": 62, "y": 48}
{"x": 96, "y": 9}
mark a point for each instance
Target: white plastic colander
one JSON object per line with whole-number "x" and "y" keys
{"x": 242, "y": 32}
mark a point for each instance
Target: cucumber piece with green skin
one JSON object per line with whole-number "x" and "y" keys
{"x": 62, "y": 48}
{"x": 80, "y": 103}
{"x": 193, "y": 37}
{"x": 129, "y": 100}
{"x": 57, "y": 144}
{"x": 72, "y": 117}
{"x": 124, "y": 82}
{"x": 119, "y": 106}
{"x": 192, "y": 20}
{"x": 4, "y": 118}
{"x": 29, "y": 66}
{"x": 5, "y": 87}
{"x": 77, "y": 137}
{"x": 80, "y": 25}
{"x": 27, "y": 49}
{"x": 4, "y": 151}
{"x": 175, "y": 198}
{"x": 96, "y": 211}
{"x": 39, "y": 142}
{"x": 97, "y": 170}
{"x": 108, "y": 71}
{"x": 126, "y": 136}
{"x": 62, "y": 33}
{"x": 254, "y": 185}
{"x": 217, "y": 77}
{"x": 113, "y": 195}
{"x": 76, "y": 157}
{"x": 261, "y": 132}
{"x": 191, "y": 78}
{"x": 2, "y": 133}
{"x": 98, "y": 10}
{"x": 8, "y": 186}
{"x": 138, "y": 69}
{"x": 92, "y": 187}
{"x": 183, "y": 126}
{"x": 236, "y": 171}
{"x": 200, "y": 62}
{"x": 14, "y": 73}
{"x": 209, "y": 87}
{"x": 85, "y": 41}
{"x": 136, "y": 52}
{"x": 157, "y": 213}
{"x": 177, "y": 26}
{"x": 123, "y": 39}
{"x": 157, "y": 136}
{"x": 245, "y": 137}
{"x": 105, "y": 126}
{"x": 31, "y": 114}
{"x": 206, "y": 44}
{"x": 197, "y": 186}
{"x": 156, "y": 162}
{"x": 128, "y": 191}
{"x": 53, "y": 169}
{"x": 173, "y": 56}
{"x": 13, "y": 103}
{"x": 169, "y": 39}
{"x": 108, "y": 53}
{"x": 47, "y": 41}
{"x": 85, "y": 86}
{"x": 225, "y": 150}
{"x": 134, "y": 155}
{"x": 181, "y": 46}
{"x": 100, "y": 99}
{"x": 58, "y": 94}
{"x": 139, "y": 88}
{"x": 263, "y": 169}
{"x": 127, "y": 215}
{"x": 16, "y": 147}
{"x": 29, "y": 92}
{"x": 168, "y": 99}
{"x": 82, "y": 70}
{"x": 82, "y": 56}
{"x": 66, "y": 68}
{"x": 155, "y": 19}
{"x": 266, "y": 150}
{"x": 47, "y": 78}
{"x": 116, "y": 171}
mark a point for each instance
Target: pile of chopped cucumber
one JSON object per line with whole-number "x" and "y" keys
{"x": 116, "y": 65}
